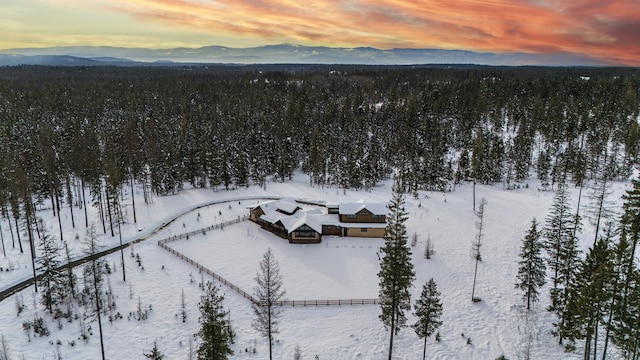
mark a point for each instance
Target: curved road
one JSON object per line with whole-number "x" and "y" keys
{"x": 5, "y": 293}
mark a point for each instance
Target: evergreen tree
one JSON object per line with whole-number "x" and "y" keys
{"x": 51, "y": 279}
{"x": 428, "y": 309}
{"x": 94, "y": 278}
{"x": 316, "y": 160}
{"x": 155, "y": 353}
{"x": 630, "y": 230}
{"x": 600, "y": 207}
{"x": 215, "y": 328}
{"x": 543, "y": 167}
{"x": 532, "y": 270}
{"x": 463, "y": 172}
{"x": 268, "y": 293}
{"x": 478, "y": 167}
{"x": 626, "y": 319}
{"x": 396, "y": 269}
{"x": 562, "y": 249}
{"x": 588, "y": 299}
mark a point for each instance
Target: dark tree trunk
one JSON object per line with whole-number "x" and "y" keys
{"x": 59, "y": 216}
{"x": 13, "y": 240}
{"x": 33, "y": 251}
{"x": 18, "y": 233}
{"x": 4, "y": 251}
{"x": 133, "y": 200}
{"x": 97, "y": 295}
{"x": 84, "y": 205}
{"x": 70, "y": 198}
{"x": 106, "y": 191}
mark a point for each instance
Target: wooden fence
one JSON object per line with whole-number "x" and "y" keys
{"x": 290, "y": 303}
{"x": 209, "y": 272}
{"x": 203, "y": 230}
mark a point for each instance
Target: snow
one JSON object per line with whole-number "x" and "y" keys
{"x": 354, "y": 208}
{"x": 337, "y": 268}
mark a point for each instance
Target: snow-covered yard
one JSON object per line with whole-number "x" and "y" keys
{"x": 337, "y": 268}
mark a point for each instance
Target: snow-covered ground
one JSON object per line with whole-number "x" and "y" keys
{"x": 337, "y": 268}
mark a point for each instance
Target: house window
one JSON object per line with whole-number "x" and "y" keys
{"x": 308, "y": 234}
{"x": 363, "y": 229}
{"x": 351, "y": 216}
{"x": 376, "y": 216}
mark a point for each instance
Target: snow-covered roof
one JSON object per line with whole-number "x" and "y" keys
{"x": 293, "y": 222}
{"x": 287, "y": 205}
{"x": 354, "y": 208}
{"x": 277, "y": 211}
{"x": 273, "y": 216}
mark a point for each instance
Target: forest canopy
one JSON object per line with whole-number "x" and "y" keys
{"x": 350, "y": 126}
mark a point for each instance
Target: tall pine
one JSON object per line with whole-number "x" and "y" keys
{"x": 94, "y": 279}
{"x": 625, "y": 322}
{"x": 562, "y": 249}
{"x": 588, "y": 300}
{"x": 532, "y": 270}
{"x": 396, "y": 269}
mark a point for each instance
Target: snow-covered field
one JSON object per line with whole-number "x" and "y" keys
{"x": 337, "y": 268}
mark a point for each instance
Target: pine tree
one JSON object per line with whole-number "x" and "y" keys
{"x": 396, "y": 269}
{"x": 51, "y": 278}
{"x": 94, "y": 277}
{"x": 543, "y": 167}
{"x": 588, "y": 299}
{"x": 626, "y": 321}
{"x": 562, "y": 249}
{"x": 214, "y": 326}
{"x": 600, "y": 208}
{"x": 630, "y": 229}
{"x": 532, "y": 271}
{"x": 475, "y": 246}
{"x": 155, "y": 353}
{"x": 428, "y": 309}
{"x": 268, "y": 293}
{"x": 478, "y": 166}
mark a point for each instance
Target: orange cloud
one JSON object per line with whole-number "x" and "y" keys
{"x": 604, "y": 30}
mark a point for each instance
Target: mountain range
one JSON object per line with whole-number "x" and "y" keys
{"x": 279, "y": 54}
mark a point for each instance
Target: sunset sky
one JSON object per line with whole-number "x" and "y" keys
{"x": 605, "y": 30}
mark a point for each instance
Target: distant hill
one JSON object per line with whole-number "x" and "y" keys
{"x": 278, "y": 54}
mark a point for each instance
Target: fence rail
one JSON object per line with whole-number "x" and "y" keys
{"x": 203, "y": 230}
{"x": 289, "y": 303}
{"x": 294, "y": 303}
{"x": 202, "y": 268}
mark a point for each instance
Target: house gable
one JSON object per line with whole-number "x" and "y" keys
{"x": 362, "y": 213}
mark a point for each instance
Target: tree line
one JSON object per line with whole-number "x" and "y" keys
{"x": 65, "y": 130}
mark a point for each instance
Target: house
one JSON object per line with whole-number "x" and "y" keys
{"x": 287, "y": 220}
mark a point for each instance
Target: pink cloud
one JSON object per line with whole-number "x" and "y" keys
{"x": 604, "y": 30}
